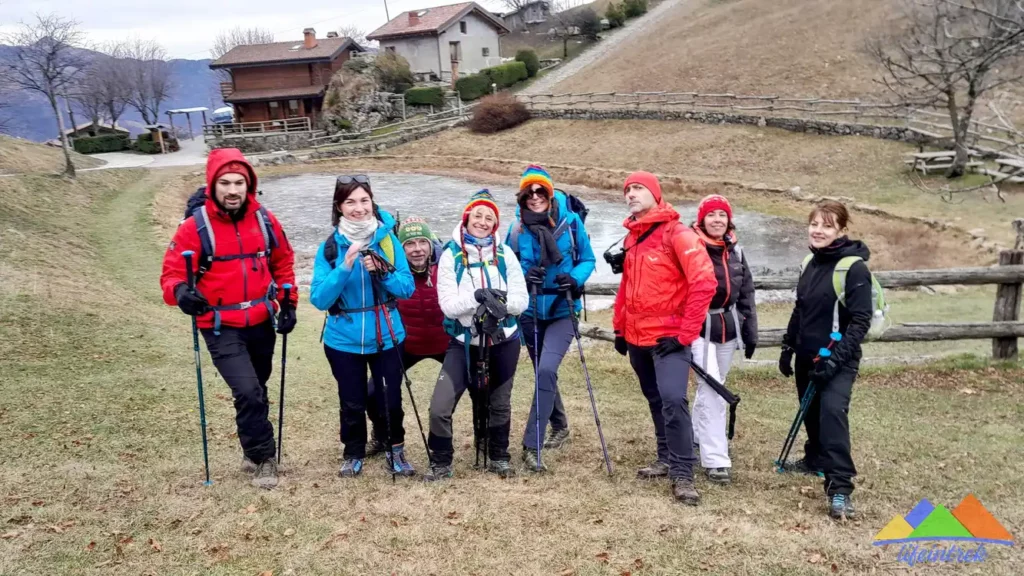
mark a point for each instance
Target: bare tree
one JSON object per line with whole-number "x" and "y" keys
{"x": 950, "y": 54}
{"x": 46, "y": 61}
{"x": 516, "y": 5}
{"x": 357, "y": 34}
{"x": 150, "y": 78}
{"x": 239, "y": 36}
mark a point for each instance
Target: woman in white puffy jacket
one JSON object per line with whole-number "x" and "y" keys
{"x": 481, "y": 290}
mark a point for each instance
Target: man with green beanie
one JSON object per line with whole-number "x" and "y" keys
{"x": 421, "y": 314}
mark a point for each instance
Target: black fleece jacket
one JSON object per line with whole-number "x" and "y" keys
{"x": 810, "y": 325}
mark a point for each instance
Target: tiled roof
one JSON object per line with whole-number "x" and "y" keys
{"x": 432, "y": 21}
{"x": 273, "y": 94}
{"x": 280, "y": 52}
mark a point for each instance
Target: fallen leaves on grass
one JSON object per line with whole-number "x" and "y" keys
{"x": 38, "y": 503}
{"x": 721, "y": 530}
{"x": 603, "y": 557}
{"x": 814, "y": 557}
{"x": 567, "y": 572}
{"x": 289, "y": 532}
{"x": 10, "y": 535}
{"x": 267, "y": 573}
{"x": 155, "y": 545}
{"x": 90, "y": 546}
{"x": 338, "y": 536}
{"x": 250, "y": 509}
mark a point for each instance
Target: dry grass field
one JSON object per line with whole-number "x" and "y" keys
{"x": 22, "y": 157}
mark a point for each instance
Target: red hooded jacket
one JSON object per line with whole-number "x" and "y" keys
{"x": 231, "y": 281}
{"x": 667, "y": 282}
{"x": 423, "y": 319}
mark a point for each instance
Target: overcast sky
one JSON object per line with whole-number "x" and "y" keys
{"x": 186, "y": 28}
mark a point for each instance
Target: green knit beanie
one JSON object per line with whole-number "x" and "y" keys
{"x": 413, "y": 228}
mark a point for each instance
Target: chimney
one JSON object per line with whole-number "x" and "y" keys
{"x": 309, "y": 39}
{"x": 332, "y": 34}
{"x": 414, "y": 18}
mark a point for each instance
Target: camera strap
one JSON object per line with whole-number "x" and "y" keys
{"x": 642, "y": 237}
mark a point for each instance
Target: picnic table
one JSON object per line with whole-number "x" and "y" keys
{"x": 924, "y": 162}
{"x": 1010, "y": 170}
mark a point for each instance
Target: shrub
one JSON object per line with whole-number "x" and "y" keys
{"x": 498, "y": 112}
{"x": 100, "y": 144}
{"x": 634, "y": 8}
{"x": 426, "y": 96}
{"x": 356, "y": 65}
{"x": 615, "y": 15}
{"x": 393, "y": 72}
{"x": 589, "y": 23}
{"x": 506, "y": 75}
{"x": 145, "y": 143}
{"x": 529, "y": 58}
{"x": 473, "y": 86}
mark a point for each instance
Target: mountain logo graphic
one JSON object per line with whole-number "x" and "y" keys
{"x": 968, "y": 522}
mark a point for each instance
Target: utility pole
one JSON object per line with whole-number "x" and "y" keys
{"x": 386, "y": 15}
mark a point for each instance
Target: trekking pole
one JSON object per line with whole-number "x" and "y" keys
{"x": 536, "y": 374}
{"x": 384, "y": 382}
{"x": 484, "y": 383}
{"x": 408, "y": 383}
{"x": 284, "y": 363}
{"x": 586, "y": 375}
{"x": 191, "y": 279}
{"x": 805, "y": 403}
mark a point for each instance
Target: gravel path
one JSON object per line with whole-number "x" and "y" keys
{"x": 609, "y": 42}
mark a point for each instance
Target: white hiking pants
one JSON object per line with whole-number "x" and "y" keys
{"x": 710, "y": 410}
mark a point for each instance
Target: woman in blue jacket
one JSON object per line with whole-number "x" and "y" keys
{"x": 554, "y": 250}
{"x": 359, "y": 273}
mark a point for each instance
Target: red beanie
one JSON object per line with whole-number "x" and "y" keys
{"x": 712, "y": 203}
{"x": 648, "y": 180}
{"x": 233, "y": 168}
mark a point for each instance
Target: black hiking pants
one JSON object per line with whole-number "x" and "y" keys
{"x": 373, "y": 408}
{"x": 828, "y": 425}
{"x": 245, "y": 358}
{"x": 349, "y": 370}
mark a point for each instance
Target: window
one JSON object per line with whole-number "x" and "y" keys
{"x": 462, "y": 27}
{"x": 390, "y": 49}
{"x": 455, "y": 51}
{"x": 487, "y": 52}
{"x": 274, "y": 104}
{"x": 293, "y": 104}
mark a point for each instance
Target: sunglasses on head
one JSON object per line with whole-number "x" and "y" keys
{"x": 358, "y": 178}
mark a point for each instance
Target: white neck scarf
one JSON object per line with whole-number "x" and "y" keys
{"x": 357, "y": 232}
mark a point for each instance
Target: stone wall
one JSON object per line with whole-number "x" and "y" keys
{"x": 358, "y": 148}
{"x": 255, "y": 143}
{"x": 899, "y": 133}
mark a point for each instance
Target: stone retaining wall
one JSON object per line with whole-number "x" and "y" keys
{"x": 255, "y": 143}
{"x": 360, "y": 148}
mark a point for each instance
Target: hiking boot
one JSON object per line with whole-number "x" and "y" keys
{"x": 395, "y": 462}
{"x": 438, "y": 472}
{"x": 351, "y": 468}
{"x": 501, "y": 468}
{"x": 719, "y": 475}
{"x": 556, "y": 439}
{"x": 248, "y": 466}
{"x": 801, "y": 466}
{"x": 375, "y": 445}
{"x": 530, "y": 461}
{"x": 266, "y": 474}
{"x": 840, "y": 507}
{"x": 684, "y": 491}
{"x": 656, "y": 469}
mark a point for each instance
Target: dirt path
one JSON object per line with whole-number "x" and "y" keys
{"x": 609, "y": 42}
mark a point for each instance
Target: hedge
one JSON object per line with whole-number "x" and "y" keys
{"x": 506, "y": 75}
{"x": 473, "y": 86}
{"x": 100, "y": 144}
{"x": 425, "y": 96}
{"x": 529, "y": 58}
{"x": 145, "y": 143}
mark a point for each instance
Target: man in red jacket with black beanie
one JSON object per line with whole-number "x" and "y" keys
{"x": 421, "y": 315}
{"x": 241, "y": 257}
{"x": 667, "y": 285}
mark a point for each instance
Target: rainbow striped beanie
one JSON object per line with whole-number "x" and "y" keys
{"x": 481, "y": 198}
{"x": 534, "y": 174}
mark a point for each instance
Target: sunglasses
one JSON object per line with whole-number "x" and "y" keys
{"x": 536, "y": 192}
{"x": 358, "y": 178}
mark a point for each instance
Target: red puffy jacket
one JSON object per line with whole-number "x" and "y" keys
{"x": 667, "y": 282}
{"x": 423, "y": 319}
{"x": 231, "y": 281}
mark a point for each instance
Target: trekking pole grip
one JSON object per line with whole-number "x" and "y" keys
{"x": 190, "y": 276}
{"x": 287, "y": 292}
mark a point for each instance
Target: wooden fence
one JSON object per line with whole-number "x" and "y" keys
{"x": 1004, "y": 330}
{"x": 285, "y": 126}
{"x": 987, "y": 138}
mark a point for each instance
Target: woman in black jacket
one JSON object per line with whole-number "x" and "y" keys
{"x": 731, "y": 324}
{"x": 817, "y": 315}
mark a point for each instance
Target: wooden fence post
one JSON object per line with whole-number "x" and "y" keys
{"x": 1008, "y": 298}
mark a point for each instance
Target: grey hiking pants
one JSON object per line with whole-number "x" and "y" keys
{"x": 663, "y": 381}
{"x": 554, "y": 338}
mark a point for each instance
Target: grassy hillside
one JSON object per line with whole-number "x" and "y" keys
{"x": 786, "y": 47}
{"x": 19, "y": 156}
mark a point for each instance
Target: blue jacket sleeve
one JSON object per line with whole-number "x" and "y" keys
{"x": 327, "y": 283}
{"x": 585, "y": 267}
{"x": 400, "y": 283}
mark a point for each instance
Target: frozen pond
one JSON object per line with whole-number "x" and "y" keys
{"x": 303, "y": 204}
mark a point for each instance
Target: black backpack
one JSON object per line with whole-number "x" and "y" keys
{"x": 195, "y": 208}
{"x": 576, "y": 205}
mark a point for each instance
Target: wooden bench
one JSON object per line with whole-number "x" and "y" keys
{"x": 924, "y": 162}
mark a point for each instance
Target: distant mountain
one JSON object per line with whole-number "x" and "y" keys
{"x": 195, "y": 85}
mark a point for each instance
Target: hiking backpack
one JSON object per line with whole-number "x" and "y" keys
{"x": 880, "y": 320}
{"x": 195, "y": 208}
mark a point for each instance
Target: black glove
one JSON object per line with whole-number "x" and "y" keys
{"x": 786, "y": 362}
{"x": 668, "y": 345}
{"x": 825, "y": 369}
{"x": 190, "y": 301}
{"x": 494, "y": 302}
{"x": 536, "y": 276}
{"x": 620, "y": 345}
{"x": 480, "y": 295}
{"x": 566, "y": 283}
{"x": 286, "y": 318}
{"x": 748, "y": 351}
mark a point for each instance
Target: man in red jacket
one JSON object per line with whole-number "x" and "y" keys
{"x": 241, "y": 256}
{"x": 421, "y": 315}
{"x": 667, "y": 285}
